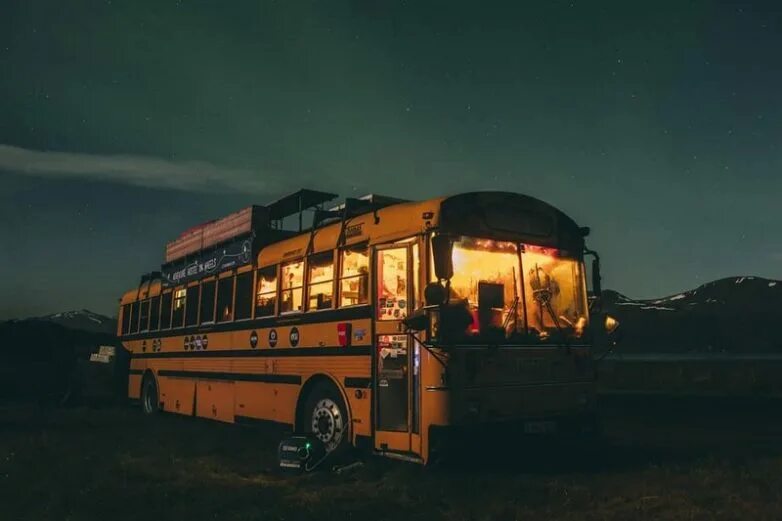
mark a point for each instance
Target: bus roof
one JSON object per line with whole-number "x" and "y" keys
{"x": 498, "y": 215}
{"x": 386, "y": 224}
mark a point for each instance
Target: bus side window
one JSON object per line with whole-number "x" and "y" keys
{"x": 354, "y": 276}
{"x": 178, "y": 316}
{"x": 144, "y": 323}
{"x": 154, "y": 313}
{"x": 134, "y": 317}
{"x": 191, "y": 306}
{"x": 126, "y": 319}
{"x": 244, "y": 295}
{"x": 292, "y": 285}
{"x": 320, "y": 280}
{"x": 165, "y": 310}
{"x": 225, "y": 297}
{"x": 207, "y": 302}
{"x": 392, "y": 284}
{"x": 266, "y": 295}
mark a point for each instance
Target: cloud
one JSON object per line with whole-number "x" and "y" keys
{"x": 151, "y": 172}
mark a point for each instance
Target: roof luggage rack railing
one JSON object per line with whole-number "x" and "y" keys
{"x": 297, "y": 203}
{"x": 352, "y": 207}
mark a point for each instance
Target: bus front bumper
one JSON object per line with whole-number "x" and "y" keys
{"x": 521, "y": 403}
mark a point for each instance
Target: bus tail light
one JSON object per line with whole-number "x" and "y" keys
{"x": 344, "y": 330}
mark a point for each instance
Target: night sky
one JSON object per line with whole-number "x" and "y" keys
{"x": 124, "y": 122}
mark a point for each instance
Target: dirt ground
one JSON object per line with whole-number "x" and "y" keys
{"x": 660, "y": 459}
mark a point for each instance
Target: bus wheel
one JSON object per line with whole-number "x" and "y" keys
{"x": 325, "y": 415}
{"x": 149, "y": 397}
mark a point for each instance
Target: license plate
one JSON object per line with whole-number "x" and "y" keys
{"x": 540, "y": 427}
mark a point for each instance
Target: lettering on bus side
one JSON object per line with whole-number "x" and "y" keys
{"x": 292, "y": 253}
{"x": 354, "y": 230}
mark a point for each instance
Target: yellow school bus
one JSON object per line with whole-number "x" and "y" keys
{"x": 384, "y": 324}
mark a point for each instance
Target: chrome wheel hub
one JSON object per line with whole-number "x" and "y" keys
{"x": 328, "y": 423}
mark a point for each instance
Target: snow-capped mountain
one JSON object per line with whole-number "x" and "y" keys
{"x": 83, "y": 320}
{"x": 732, "y": 315}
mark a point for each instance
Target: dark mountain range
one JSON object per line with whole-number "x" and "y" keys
{"x": 41, "y": 357}
{"x": 83, "y": 320}
{"x": 736, "y": 315}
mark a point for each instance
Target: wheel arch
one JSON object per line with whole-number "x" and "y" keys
{"x": 148, "y": 373}
{"x": 312, "y": 382}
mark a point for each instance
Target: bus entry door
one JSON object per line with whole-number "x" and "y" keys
{"x": 392, "y": 383}
{"x": 396, "y": 399}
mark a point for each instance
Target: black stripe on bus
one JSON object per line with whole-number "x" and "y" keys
{"x": 353, "y": 382}
{"x": 316, "y": 317}
{"x": 282, "y": 352}
{"x": 135, "y": 371}
{"x": 233, "y": 377}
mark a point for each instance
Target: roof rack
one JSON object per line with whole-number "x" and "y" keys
{"x": 149, "y": 277}
{"x": 374, "y": 200}
{"x": 297, "y": 202}
{"x": 347, "y": 210}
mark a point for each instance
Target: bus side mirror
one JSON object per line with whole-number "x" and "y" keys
{"x": 597, "y": 289}
{"x": 434, "y": 294}
{"x": 442, "y": 250}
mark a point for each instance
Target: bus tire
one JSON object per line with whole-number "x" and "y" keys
{"x": 326, "y": 416}
{"x": 150, "y": 403}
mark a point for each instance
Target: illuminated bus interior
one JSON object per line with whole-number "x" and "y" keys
{"x": 519, "y": 289}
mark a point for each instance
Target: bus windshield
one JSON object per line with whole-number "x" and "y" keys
{"x": 518, "y": 290}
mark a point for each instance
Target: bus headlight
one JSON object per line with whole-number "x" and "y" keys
{"x": 610, "y": 324}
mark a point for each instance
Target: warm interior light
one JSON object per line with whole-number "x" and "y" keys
{"x": 550, "y": 284}
{"x": 541, "y": 250}
{"x": 485, "y": 263}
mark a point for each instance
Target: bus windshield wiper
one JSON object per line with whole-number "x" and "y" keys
{"x": 514, "y": 307}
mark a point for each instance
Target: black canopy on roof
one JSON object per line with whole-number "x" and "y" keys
{"x": 297, "y": 202}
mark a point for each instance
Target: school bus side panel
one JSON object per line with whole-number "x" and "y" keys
{"x": 215, "y": 400}
{"x": 179, "y": 395}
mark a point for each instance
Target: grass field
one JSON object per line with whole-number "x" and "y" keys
{"x": 673, "y": 460}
